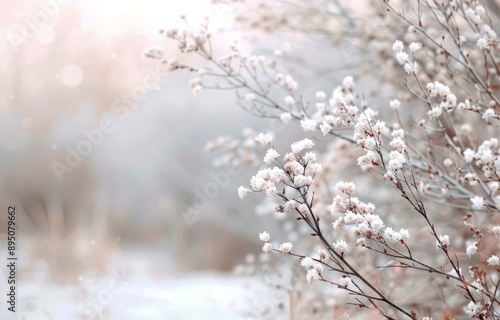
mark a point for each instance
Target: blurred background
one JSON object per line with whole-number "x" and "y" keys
{"x": 120, "y": 211}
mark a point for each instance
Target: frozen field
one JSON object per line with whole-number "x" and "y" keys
{"x": 139, "y": 290}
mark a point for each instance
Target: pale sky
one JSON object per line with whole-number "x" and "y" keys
{"x": 146, "y": 16}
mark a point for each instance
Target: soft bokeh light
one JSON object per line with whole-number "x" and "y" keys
{"x": 117, "y": 17}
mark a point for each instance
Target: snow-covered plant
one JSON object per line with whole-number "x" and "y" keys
{"x": 401, "y": 208}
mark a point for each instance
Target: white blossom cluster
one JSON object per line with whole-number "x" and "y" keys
{"x": 398, "y": 155}
{"x": 409, "y": 65}
{"x": 188, "y": 39}
{"x": 231, "y": 65}
{"x": 345, "y": 281}
{"x": 487, "y": 115}
{"x": 264, "y": 236}
{"x": 444, "y": 242}
{"x": 448, "y": 101}
{"x": 297, "y": 168}
{"x": 314, "y": 269}
{"x": 368, "y": 133}
{"x": 287, "y": 82}
{"x": 475, "y": 310}
{"x": 235, "y": 151}
{"x": 487, "y": 158}
{"x": 367, "y": 225}
{"x": 339, "y": 112}
{"x": 484, "y": 34}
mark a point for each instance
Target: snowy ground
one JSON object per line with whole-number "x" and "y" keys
{"x": 139, "y": 289}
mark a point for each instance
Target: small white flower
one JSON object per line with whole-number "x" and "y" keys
{"x": 264, "y": 139}
{"x": 398, "y": 144}
{"x": 471, "y": 178}
{"x": 493, "y": 261}
{"x": 369, "y": 143}
{"x": 280, "y": 78}
{"x": 286, "y": 247}
{"x": 414, "y": 46}
{"x": 325, "y": 128}
{"x": 307, "y": 262}
{"x": 488, "y": 33}
{"x": 316, "y": 168}
{"x": 496, "y": 230}
{"x": 293, "y": 167}
{"x": 173, "y": 63}
{"x": 445, "y": 240}
{"x": 308, "y": 124}
{"x": 397, "y": 46}
{"x": 312, "y": 274}
{"x": 404, "y": 234}
{"x": 320, "y": 96}
{"x": 402, "y": 57}
{"x": 447, "y": 162}
{"x": 299, "y": 146}
{"x": 318, "y": 267}
{"x": 322, "y": 254}
{"x": 361, "y": 242}
{"x": 483, "y": 43}
{"x": 340, "y": 222}
{"x": 302, "y": 181}
{"x": 285, "y": 117}
{"x": 303, "y": 208}
{"x": 242, "y": 192}
{"x": 271, "y": 190}
{"x": 400, "y": 133}
{"x": 391, "y": 235}
{"x": 340, "y": 247}
{"x": 267, "y": 247}
{"x": 264, "y": 236}
{"x": 442, "y": 89}
{"x": 289, "y": 206}
{"x": 435, "y": 112}
{"x": 249, "y": 97}
{"x": 389, "y": 176}
{"x": 395, "y": 104}
{"x": 480, "y": 10}
{"x": 397, "y": 160}
{"x": 351, "y": 110}
{"x": 369, "y": 159}
{"x": 309, "y": 157}
{"x": 477, "y": 203}
{"x": 474, "y": 310}
{"x": 195, "y": 82}
{"x": 290, "y": 84}
{"x": 345, "y": 281}
{"x": 258, "y": 183}
{"x": 493, "y": 186}
{"x": 468, "y": 155}
{"x": 270, "y": 156}
{"x": 289, "y": 101}
{"x": 410, "y": 68}
{"x": 345, "y": 187}
{"x": 488, "y": 114}
{"x": 471, "y": 249}
{"x": 348, "y": 82}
